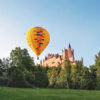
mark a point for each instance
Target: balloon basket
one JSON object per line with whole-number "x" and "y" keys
{"x": 37, "y": 58}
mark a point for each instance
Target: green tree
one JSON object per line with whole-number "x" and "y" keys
{"x": 93, "y": 77}
{"x": 75, "y": 78}
{"x": 21, "y": 71}
{"x": 75, "y": 75}
{"x": 68, "y": 68}
{"x": 30, "y": 78}
{"x": 85, "y": 78}
{"x": 79, "y": 66}
{"x": 41, "y": 79}
{"x": 20, "y": 57}
{"x": 62, "y": 81}
{"x": 1, "y": 67}
{"x": 64, "y": 78}
{"x": 17, "y": 78}
{"x": 97, "y": 60}
{"x": 27, "y": 76}
{"x": 52, "y": 76}
{"x": 95, "y": 73}
{"x": 98, "y": 78}
{"x": 6, "y": 64}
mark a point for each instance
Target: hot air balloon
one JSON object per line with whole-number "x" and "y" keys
{"x": 38, "y": 39}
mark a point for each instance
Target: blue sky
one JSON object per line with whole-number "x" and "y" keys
{"x": 68, "y": 21}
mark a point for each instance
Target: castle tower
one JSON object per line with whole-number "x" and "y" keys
{"x": 64, "y": 54}
{"x": 70, "y": 53}
{"x": 69, "y": 46}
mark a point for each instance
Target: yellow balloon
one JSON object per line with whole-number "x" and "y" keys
{"x": 38, "y": 39}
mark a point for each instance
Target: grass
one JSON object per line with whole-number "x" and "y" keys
{"x": 7, "y": 93}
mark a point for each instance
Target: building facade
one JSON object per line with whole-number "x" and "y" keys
{"x": 54, "y": 60}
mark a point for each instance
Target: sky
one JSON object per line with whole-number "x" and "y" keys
{"x": 68, "y": 21}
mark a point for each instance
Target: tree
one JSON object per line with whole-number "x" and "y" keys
{"x": 79, "y": 66}
{"x": 62, "y": 81}
{"x": 75, "y": 78}
{"x": 20, "y": 57}
{"x": 98, "y": 78}
{"x": 52, "y": 76}
{"x": 95, "y": 73}
{"x": 68, "y": 68}
{"x": 21, "y": 71}
{"x": 30, "y": 78}
{"x": 93, "y": 77}
{"x": 97, "y": 60}
{"x": 17, "y": 78}
{"x": 1, "y": 67}
{"x": 85, "y": 78}
{"x": 75, "y": 75}
{"x": 41, "y": 79}
{"x": 6, "y": 64}
{"x": 64, "y": 77}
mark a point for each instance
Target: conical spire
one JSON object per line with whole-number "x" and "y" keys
{"x": 69, "y": 46}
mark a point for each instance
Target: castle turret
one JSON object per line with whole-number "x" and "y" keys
{"x": 64, "y": 54}
{"x": 69, "y": 46}
{"x": 70, "y": 53}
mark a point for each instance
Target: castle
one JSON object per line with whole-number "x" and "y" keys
{"x": 52, "y": 60}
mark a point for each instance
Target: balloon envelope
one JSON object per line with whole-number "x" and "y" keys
{"x": 38, "y": 39}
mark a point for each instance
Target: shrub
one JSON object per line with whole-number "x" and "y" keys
{"x": 4, "y": 81}
{"x": 17, "y": 78}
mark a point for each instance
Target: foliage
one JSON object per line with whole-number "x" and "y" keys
{"x": 52, "y": 76}
{"x": 24, "y": 73}
{"x": 62, "y": 81}
{"x": 41, "y": 79}
{"x": 98, "y": 78}
{"x": 97, "y": 60}
{"x": 20, "y": 57}
{"x": 1, "y": 67}
{"x": 93, "y": 77}
{"x": 75, "y": 77}
{"x": 68, "y": 68}
{"x": 29, "y": 77}
{"x": 85, "y": 79}
{"x": 17, "y": 78}
{"x": 4, "y": 81}
{"x": 21, "y": 68}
